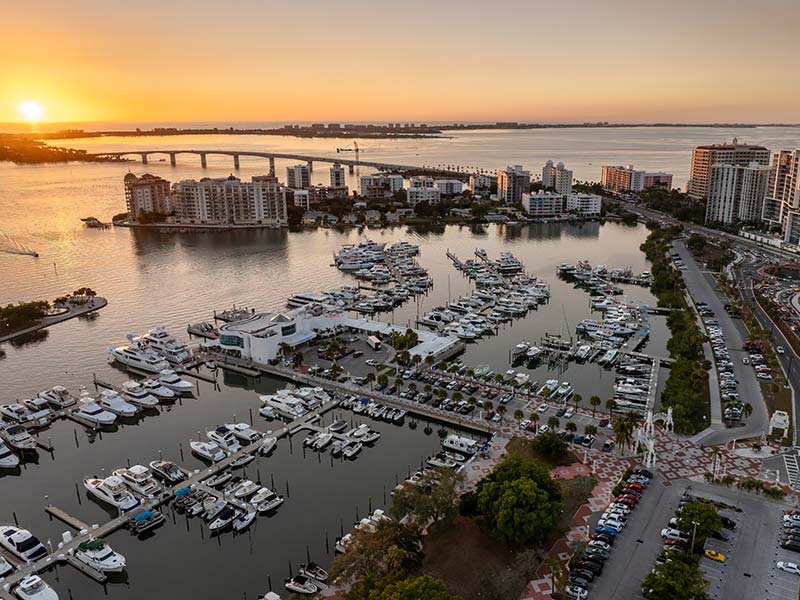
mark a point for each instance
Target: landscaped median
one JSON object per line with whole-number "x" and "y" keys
{"x": 686, "y": 388}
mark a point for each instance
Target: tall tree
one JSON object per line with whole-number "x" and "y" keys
{"x": 595, "y": 402}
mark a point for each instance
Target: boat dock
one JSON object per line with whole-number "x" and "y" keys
{"x": 85, "y": 532}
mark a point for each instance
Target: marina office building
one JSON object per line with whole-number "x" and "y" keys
{"x": 261, "y": 336}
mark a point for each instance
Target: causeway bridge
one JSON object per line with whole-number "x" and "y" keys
{"x": 236, "y": 155}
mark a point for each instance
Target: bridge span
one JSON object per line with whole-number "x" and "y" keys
{"x": 271, "y": 156}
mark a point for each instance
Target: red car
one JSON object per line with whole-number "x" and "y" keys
{"x": 628, "y": 499}
{"x": 679, "y": 543}
{"x": 636, "y": 486}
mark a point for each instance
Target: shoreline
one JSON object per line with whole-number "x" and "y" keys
{"x": 93, "y": 305}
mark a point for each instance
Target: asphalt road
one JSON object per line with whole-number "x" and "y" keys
{"x": 703, "y": 289}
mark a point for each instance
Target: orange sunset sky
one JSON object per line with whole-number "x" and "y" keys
{"x": 239, "y": 60}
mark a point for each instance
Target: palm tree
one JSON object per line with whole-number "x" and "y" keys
{"x": 595, "y": 402}
{"x": 458, "y": 397}
{"x": 571, "y": 426}
{"x": 285, "y": 348}
{"x": 611, "y": 404}
{"x": 553, "y": 422}
{"x": 472, "y": 400}
{"x": 412, "y": 386}
{"x": 398, "y": 382}
{"x": 747, "y": 409}
{"x": 502, "y": 409}
{"x": 622, "y": 432}
{"x": 487, "y": 405}
{"x": 297, "y": 359}
{"x": 427, "y": 388}
{"x": 577, "y": 399}
{"x": 371, "y": 379}
{"x": 535, "y": 420}
{"x": 429, "y": 360}
{"x": 590, "y": 430}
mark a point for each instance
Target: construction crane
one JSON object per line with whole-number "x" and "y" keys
{"x": 353, "y": 149}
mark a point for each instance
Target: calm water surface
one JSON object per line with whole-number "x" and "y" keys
{"x": 153, "y": 279}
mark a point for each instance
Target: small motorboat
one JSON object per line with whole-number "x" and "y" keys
{"x": 338, "y": 426}
{"x": 8, "y": 460}
{"x": 138, "y": 395}
{"x": 352, "y": 449}
{"x": 225, "y": 517}
{"x": 99, "y": 555}
{"x": 263, "y": 493}
{"x": 208, "y": 451}
{"x": 212, "y": 508}
{"x": 244, "y": 459}
{"x": 168, "y": 471}
{"x": 244, "y": 520}
{"x": 33, "y": 587}
{"x": 245, "y": 489}
{"x": 158, "y": 389}
{"x": 313, "y": 571}
{"x": 224, "y": 439}
{"x": 170, "y": 379}
{"x": 273, "y": 502}
{"x": 18, "y": 438}
{"x": 218, "y": 480}
{"x": 145, "y": 521}
{"x": 94, "y": 414}
{"x": 322, "y": 441}
{"x": 300, "y": 584}
{"x": 268, "y": 445}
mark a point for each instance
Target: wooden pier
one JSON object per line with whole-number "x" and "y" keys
{"x": 67, "y": 518}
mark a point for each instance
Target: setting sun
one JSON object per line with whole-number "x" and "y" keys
{"x": 31, "y": 110}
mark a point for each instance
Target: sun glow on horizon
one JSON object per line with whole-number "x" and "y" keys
{"x": 31, "y": 111}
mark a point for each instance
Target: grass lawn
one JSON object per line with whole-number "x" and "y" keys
{"x": 523, "y": 448}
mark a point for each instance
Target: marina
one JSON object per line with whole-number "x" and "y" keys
{"x": 213, "y": 373}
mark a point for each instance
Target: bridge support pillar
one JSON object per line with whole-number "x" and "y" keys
{"x": 203, "y": 162}
{"x": 311, "y": 166}
{"x": 144, "y": 158}
{"x": 351, "y": 168}
{"x": 272, "y": 165}
{"x": 172, "y": 160}
{"x": 235, "y": 161}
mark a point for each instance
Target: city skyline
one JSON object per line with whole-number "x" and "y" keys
{"x": 93, "y": 63}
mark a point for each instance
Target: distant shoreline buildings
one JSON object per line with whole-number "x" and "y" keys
{"x": 620, "y": 179}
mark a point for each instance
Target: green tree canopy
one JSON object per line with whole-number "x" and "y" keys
{"x": 550, "y": 445}
{"x": 391, "y": 548}
{"x": 396, "y": 588}
{"x": 705, "y": 515}
{"x": 678, "y": 579}
{"x": 432, "y": 498}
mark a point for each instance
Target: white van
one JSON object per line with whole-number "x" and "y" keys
{"x": 669, "y": 533}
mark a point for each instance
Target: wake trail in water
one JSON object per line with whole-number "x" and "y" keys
{"x": 12, "y": 246}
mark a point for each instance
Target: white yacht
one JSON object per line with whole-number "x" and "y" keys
{"x": 533, "y": 352}
{"x": 284, "y": 402}
{"x": 268, "y": 445}
{"x": 34, "y": 587}
{"x": 244, "y": 432}
{"x": 312, "y": 397}
{"x": 16, "y": 412}
{"x": 266, "y": 500}
{"x": 300, "y": 584}
{"x": 244, "y": 520}
{"x": 58, "y": 397}
{"x": 166, "y": 345}
{"x": 138, "y": 479}
{"x": 224, "y": 518}
{"x": 111, "y": 490}
{"x": 95, "y": 414}
{"x": 175, "y": 382}
{"x": 138, "y": 395}
{"x": 40, "y": 410}
{"x": 298, "y": 300}
{"x": 21, "y": 543}
{"x": 135, "y": 355}
{"x": 246, "y": 488}
{"x": 224, "y": 439}
{"x": 113, "y": 402}
{"x": 18, "y": 438}
{"x": 8, "y": 460}
{"x": 155, "y": 388}
{"x": 99, "y": 555}
{"x": 460, "y": 444}
{"x": 208, "y": 450}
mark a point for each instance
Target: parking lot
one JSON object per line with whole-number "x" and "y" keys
{"x": 751, "y": 550}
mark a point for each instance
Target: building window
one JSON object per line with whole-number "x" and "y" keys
{"x": 231, "y": 340}
{"x": 288, "y": 329}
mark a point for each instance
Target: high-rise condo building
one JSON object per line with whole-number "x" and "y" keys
{"x": 557, "y": 177}
{"x": 146, "y": 194}
{"x": 230, "y": 201}
{"x": 619, "y": 179}
{"x": 512, "y": 183}
{"x": 705, "y": 157}
{"x": 298, "y": 177}
{"x": 736, "y": 193}
{"x": 337, "y": 176}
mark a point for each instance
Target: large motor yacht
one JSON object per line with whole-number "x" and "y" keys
{"x": 111, "y": 490}
{"x": 208, "y": 451}
{"x": 95, "y": 414}
{"x": 8, "y": 460}
{"x": 285, "y": 402}
{"x": 173, "y": 381}
{"x": 137, "y": 356}
{"x": 168, "y": 472}
{"x": 136, "y": 393}
{"x": 18, "y": 438}
{"x": 166, "y": 345}
{"x": 58, "y": 397}
{"x": 138, "y": 479}
{"x": 224, "y": 439}
{"x": 34, "y": 587}
{"x": 113, "y": 402}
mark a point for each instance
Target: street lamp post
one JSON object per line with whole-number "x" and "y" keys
{"x": 694, "y": 531}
